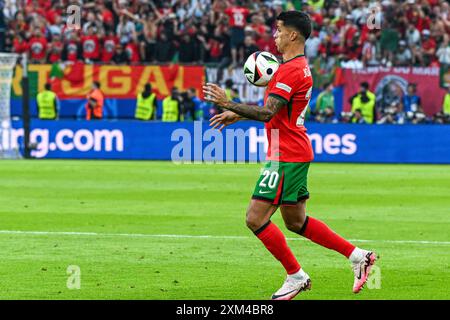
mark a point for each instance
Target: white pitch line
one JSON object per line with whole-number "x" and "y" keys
{"x": 141, "y": 235}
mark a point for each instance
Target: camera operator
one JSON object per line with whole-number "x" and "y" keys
{"x": 411, "y": 106}
{"x": 357, "y": 117}
{"x": 411, "y": 101}
{"x": 191, "y": 105}
{"x": 346, "y": 117}
{"x": 325, "y": 115}
{"x": 391, "y": 115}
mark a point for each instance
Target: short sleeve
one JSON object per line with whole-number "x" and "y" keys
{"x": 285, "y": 85}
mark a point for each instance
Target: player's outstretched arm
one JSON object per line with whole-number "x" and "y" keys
{"x": 213, "y": 93}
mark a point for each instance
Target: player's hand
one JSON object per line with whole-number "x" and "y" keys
{"x": 215, "y": 94}
{"x": 220, "y": 121}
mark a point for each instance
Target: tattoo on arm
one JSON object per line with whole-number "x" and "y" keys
{"x": 272, "y": 106}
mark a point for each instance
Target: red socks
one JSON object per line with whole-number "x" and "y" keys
{"x": 313, "y": 229}
{"x": 318, "y": 232}
{"x": 274, "y": 240}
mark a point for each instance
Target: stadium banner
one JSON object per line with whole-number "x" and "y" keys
{"x": 393, "y": 81}
{"x": 243, "y": 141}
{"x": 116, "y": 81}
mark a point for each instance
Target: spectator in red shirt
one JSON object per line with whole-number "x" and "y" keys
{"x": 71, "y": 48}
{"x": 55, "y": 49}
{"x": 107, "y": 15}
{"x": 371, "y": 52}
{"x": 20, "y": 45}
{"x": 37, "y": 7}
{"x": 348, "y": 32}
{"x": 110, "y": 41}
{"x": 19, "y": 24}
{"x": 316, "y": 17}
{"x": 354, "y": 49}
{"x": 267, "y": 43}
{"x": 38, "y": 47}
{"x": 238, "y": 20}
{"x": 428, "y": 47}
{"x": 132, "y": 52}
{"x": 258, "y": 26}
{"x": 213, "y": 45}
{"x": 53, "y": 12}
{"x": 91, "y": 46}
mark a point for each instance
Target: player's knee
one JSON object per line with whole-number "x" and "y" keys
{"x": 252, "y": 222}
{"x": 294, "y": 226}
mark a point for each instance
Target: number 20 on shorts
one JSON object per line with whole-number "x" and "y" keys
{"x": 270, "y": 179}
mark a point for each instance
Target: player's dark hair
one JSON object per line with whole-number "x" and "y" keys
{"x": 298, "y": 20}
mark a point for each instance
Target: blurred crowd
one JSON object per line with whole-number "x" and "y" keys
{"x": 353, "y": 32}
{"x": 137, "y": 31}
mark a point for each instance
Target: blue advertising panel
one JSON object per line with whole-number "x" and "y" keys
{"x": 244, "y": 141}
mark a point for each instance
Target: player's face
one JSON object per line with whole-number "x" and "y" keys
{"x": 282, "y": 36}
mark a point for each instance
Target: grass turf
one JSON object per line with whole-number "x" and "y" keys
{"x": 379, "y": 203}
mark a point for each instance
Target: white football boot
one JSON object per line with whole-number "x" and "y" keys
{"x": 293, "y": 285}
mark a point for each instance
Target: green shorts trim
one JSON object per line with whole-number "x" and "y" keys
{"x": 282, "y": 183}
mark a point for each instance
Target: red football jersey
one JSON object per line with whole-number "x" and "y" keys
{"x": 20, "y": 46}
{"x": 291, "y": 83}
{"x": 91, "y": 47}
{"x": 38, "y": 48}
{"x": 72, "y": 51}
{"x": 56, "y": 48}
{"x": 238, "y": 16}
{"x": 109, "y": 46}
{"x": 132, "y": 51}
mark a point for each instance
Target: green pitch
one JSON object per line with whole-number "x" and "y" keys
{"x": 132, "y": 230}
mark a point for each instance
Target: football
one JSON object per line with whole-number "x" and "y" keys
{"x": 260, "y": 67}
